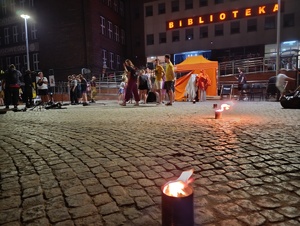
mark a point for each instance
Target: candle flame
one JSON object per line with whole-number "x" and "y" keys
{"x": 175, "y": 189}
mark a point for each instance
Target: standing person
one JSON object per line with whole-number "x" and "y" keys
{"x": 93, "y": 89}
{"x": 203, "y": 83}
{"x": 281, "y": 81}
{"x": 144, "y": 84}
{"x": 132, "y": 83}
{"x": 241, "y": 82}
{"x": 12, "y": 85}
{"x": 27, "y": 93}
{"x": 73, "y": 90}
{"x": 42, "y": 86}
{"x": 158, "y": 83}
{"x": 84, "y": 90}
{"x": 170, "y": 77}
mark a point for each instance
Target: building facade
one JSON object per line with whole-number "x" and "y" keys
{"x": 68, "y": 36}
{"x": 219, "y": 29}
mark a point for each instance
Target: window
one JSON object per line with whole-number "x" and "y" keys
{"x": 33, "y": 31}
{"x": 175, "y": 36}
{"x": 8, "y": 60}
{"x": 109, "y": 3}
{"x": 289, "y": 20}
{"x": 219, "y": 1}
{"x": 270, "y": 22}
{"x": 31, "y": 3}
{"x": 204, "y": 32}
{"x": 12, "y": 5}
{"x": 110, "y": 29}
{"x": 149, "y": 11}
{"x": 104, "y": 58}
{"x": 118, "y": 62}
{"x": 188, "y": 4}
{"x": 121, "y": 4}
{"x": 102, "y": 25}
{"x": 111, "y": 60}
{"x": 189, "y": 34}
{"x": 122, "y": 37}
{"x": 117, "y": 34}
{"x": 35, "y": 61}
{"x": 23, "y": 33}
{"x": 116, "y": 7}
{"x": 203, "y": 3}
{"x": 162, "y": 37}
{"x": 6, "y": 36}
{"x": 175, "y": 6}
{"x": 219, "y": 30}
{"x": 252, "y": 25}
{"x": 150, "y": 39}
{"x": 15, "y": 34}
{"x": 22, "y": 3}
{"x": 4, "y": 8}
{"x": 161, "y": 8}
{"x": 17, "y": 62}
{"x": 235, "y": 27}
{"x": 25, "y": 60}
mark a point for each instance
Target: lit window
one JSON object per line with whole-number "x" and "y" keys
{"x": 118, "y": 62}
{"x": 110, "y": 31}
{"x": 104, "y": 58}
{"x": 111, "y": 60}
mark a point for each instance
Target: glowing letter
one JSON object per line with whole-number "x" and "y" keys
{"x": 200, "y": 20}
{"x": 275, "y": 8}
{"x": 171, "y": 25}
{"x": 235, "y": 13}
{"x": 180, "y": 23}
{"x": 248, "y": 12}
{"x": 211, "y": 18}
{"x": 222, "y": 16}
{"x": 261, "y": 10}
{"x": 190, "y": 21}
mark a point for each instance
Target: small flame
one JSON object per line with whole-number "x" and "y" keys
{"x": 224, "y": 106}
{"x": 175, "y": 189}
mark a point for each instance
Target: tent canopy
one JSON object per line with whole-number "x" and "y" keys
{"x": 196, "y": 63}
{"x": 193, "y": 65}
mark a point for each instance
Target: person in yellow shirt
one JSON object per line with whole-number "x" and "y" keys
{"x": 170, "y": 77}
{"x": 158, "y": 83}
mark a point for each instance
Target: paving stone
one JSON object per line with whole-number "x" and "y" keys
{"x": 272, "y": 216}
{"x": 10, "y": 202}
{"x": 78, "y": 200}
{"x": 114, "y": 219}
{"x": 143, "y": 202}
{"x": 83, "y": 211}
{"x": 33, "y": 213}
{"x": 10, "y": 215}
{"x": 290, "y": 211}
{"x": 253, "y": 219}
{"x": 58, "y": 215}
{"x": 94, "y": 220}
{"x": 108, "y": 208}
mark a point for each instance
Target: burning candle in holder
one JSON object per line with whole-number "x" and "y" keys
{"x": 218, "y": 112}
{"x": 178, "y": 201}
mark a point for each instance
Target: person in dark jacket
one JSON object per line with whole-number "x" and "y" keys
{"x": 27, "y": 92}
{"x": 12, "y": 81}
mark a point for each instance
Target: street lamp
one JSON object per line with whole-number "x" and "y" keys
{"x": 26, "y": 17}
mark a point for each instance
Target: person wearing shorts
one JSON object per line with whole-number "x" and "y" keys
{"x": 170, "y": 77}
{"x": 158, "y": 83}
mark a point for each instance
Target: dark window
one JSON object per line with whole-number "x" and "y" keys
{"x": 188, "y": 4}
{"x": 149, "y": 11}
{"x": 235, "y": 27}
{"x": 162, "y": 37}
{"x": 252, "y": 25}
{"x": 204, "y": 32}
{"x": 175, "y": 36}
{"x": 203, "y": 3}
{"x": 161, "y": 8}
{"x": 219, "y": 30}
{"x": 175, "y": 6}
{"x": 219, "y": 1}
{"x": 189, "y": 34}
{"x": 289, "y": 20}
{"x": 150, "y": 39}
{"x": 270, "y": 22}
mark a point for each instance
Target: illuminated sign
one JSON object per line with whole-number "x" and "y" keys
{"x": 223, "y": 16}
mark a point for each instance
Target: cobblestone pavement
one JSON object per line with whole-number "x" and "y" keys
{"x": 104, "y": 164}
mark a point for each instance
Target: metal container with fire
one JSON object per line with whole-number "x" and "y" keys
{"x": 178, "y": 202}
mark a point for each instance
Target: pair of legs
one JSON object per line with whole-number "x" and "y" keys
{"x": 158, "y": 91}
{"x": 143, "y": 95}
{"x": 169, "y": 85}
{"x": 11, "y": 97}
{"x": 131, "y": 89}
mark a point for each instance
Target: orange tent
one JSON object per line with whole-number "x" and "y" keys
{"x": 193, "y": 65}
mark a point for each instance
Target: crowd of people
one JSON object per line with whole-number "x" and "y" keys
{"x": 137, "y": 83}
